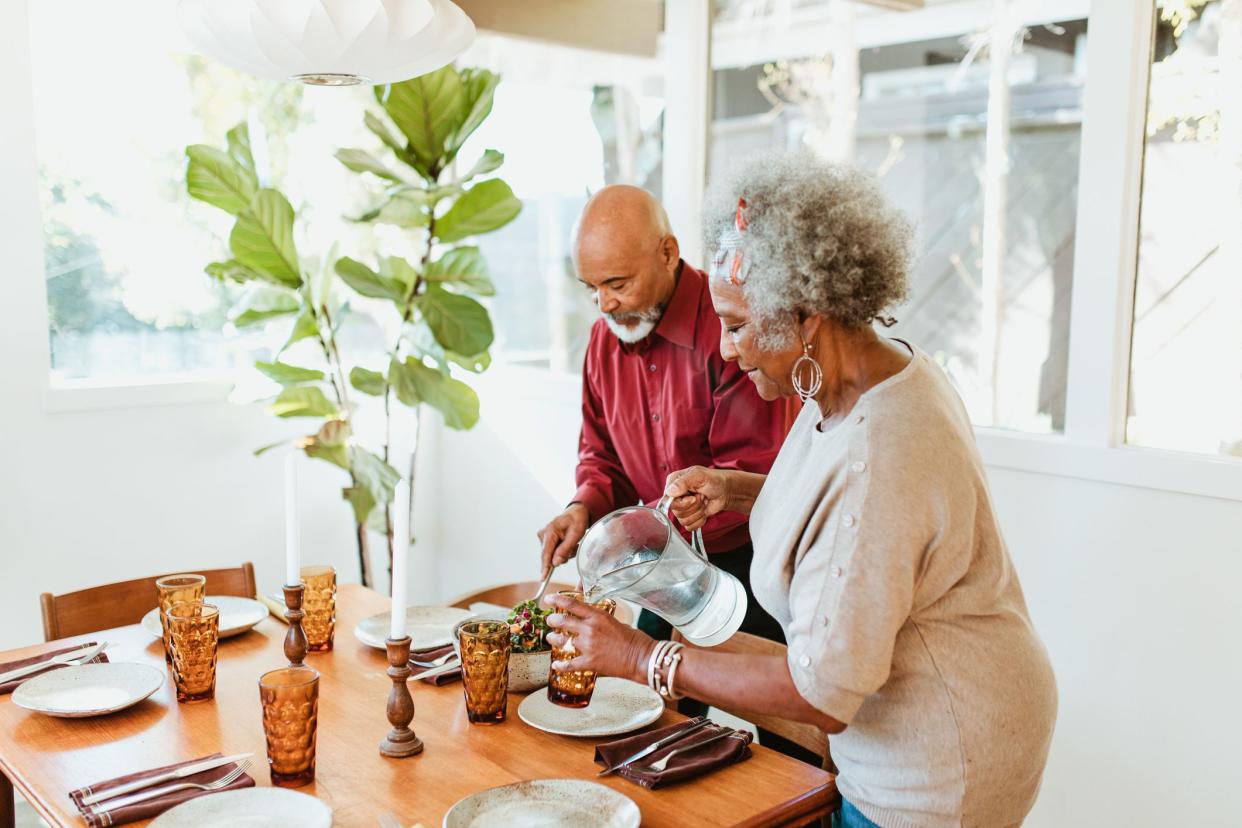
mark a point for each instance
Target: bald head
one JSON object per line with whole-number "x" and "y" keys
{"x": 621, "y": 214}
{"x": 627, "y": 255}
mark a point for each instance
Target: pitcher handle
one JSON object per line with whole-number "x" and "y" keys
{"x": 696, "y": 537}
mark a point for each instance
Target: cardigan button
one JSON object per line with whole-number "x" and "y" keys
{"x": 859, "y": 466}
{"x": 848, "y": 520}
{"x": 805, "y": 661}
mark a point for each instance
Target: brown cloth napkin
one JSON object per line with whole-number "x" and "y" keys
{"x": 10, "y": 686}
{"x": 153, "y": 807}
{"x": 684, "y": 766}
{"x": 431, "y": 655}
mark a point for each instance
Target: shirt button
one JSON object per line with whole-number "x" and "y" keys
{"x": 651, "y": 367}
{"x": 655, "y": 417}
{"x": 848, "y": 520}
{"x": 858, "y": 466}
{"x": 805, "y": 661}
{"x": 836, "y": 572}
{"x": 664, "y": 467}
{"x": 825, "y": 620}
{"x": 860, "y": 419}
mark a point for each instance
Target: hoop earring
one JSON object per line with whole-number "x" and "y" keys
{"x": 810, "y": 389}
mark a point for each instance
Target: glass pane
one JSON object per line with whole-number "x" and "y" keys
{"x": 1186, "y": 358}
{"x": 909, "y": 96}
{"x": 569, "y": 122}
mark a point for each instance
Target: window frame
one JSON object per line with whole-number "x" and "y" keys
{"x": 1119, "y": 51}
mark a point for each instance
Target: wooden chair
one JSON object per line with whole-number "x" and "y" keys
{"x": 804, "y": 735}
{"x": 510, "y": 595}
{"x": 117, "y": 605}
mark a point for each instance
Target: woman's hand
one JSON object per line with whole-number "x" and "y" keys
{"x": 604, "y": 644}
{"x": 697, "y": 493}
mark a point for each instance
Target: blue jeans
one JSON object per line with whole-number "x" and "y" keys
{"x": 847, "y": 816}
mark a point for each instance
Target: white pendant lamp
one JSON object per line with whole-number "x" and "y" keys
{"x": 328, "y": 42}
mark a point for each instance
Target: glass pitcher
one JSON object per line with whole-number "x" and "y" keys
{"x": 637, "y": 554}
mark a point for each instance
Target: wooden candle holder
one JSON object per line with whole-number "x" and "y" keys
{"x": 401, "y": 741}
{"x": 295, "y": 639}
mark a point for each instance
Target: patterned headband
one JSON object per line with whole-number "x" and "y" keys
{"x": 730, "y": 263}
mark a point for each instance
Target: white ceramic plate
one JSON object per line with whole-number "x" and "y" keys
{"x": 88, "y": 689}
{"x": 427, "y": 627}
{"x": 236, "y": 615}
{"x": 248, "y": 808}
{"x": 543, "y": 803}
{"x": 617, "y": 706}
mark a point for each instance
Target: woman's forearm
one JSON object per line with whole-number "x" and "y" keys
{"x": 738, "y": 681}
{"x": 743, "y": 489}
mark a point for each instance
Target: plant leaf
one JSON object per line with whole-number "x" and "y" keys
{"x": 415, "y": 383}
{"x": 397, "y": 269}
{"x": 231, "y": 270}
{"x": 407, "y": 208}
{"x": 428, "y": 110}
{"x": 217, "y": 178}
{"x": 372, "y": 475}
{"x": 486, "y": 206}
{"x": 480, "y": 91}
{"x": 303, "y": 401}
{"x": 367, "y": 282}
{"x": 286, "y": 374}
{"x": 264, "y": 449}
{"x": 330, "y": 443}
{"x": 238, "y": 139}
{"x": 260, "y": 303}
{"x": 476, "y": 364}
{"x": 464, "y": 266}
{"x": 304, "y": 327}
{"x": 366, "y": 381}
{"x": 361, "y": 501}
{"x": 459, "y": 323}
{"x": 380, "y": 130}
{"x": 262, "y": 238}
{"x": 361, "y": 161}
{"x": 490, "y": 162}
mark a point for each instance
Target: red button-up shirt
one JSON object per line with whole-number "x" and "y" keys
{"x": 669, "y": 402}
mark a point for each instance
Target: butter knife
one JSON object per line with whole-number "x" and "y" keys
{"x": 654, "y": 746}
{"x": 178, "y": 773}
{"x": 86, "y": 652}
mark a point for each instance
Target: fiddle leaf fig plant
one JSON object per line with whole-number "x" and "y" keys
{"x": 441, "y": 327}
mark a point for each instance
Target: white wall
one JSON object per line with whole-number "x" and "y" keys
{"x": 1135, "y": 591}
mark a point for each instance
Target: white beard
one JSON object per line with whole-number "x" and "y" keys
{"x": 630, "y": 335}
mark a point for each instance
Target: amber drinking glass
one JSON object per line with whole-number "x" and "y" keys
{"x": 485, "y": 649}
{"x": 290, "y": 699}
{"x": 574, "y": 688}
{"x": 175, "y": 589}
{"x": 319, "y": 604}
{"x": 194, "y": 634}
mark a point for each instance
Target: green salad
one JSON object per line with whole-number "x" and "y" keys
{"x": 528, "y": 628}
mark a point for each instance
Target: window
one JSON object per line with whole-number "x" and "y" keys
{"x": 1186, "y": 352}
{"x": 569, "y": 122}
{"x": 125, "y": 246}
{"x": 909, "y": 96}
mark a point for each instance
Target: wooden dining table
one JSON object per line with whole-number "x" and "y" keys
{"x": 46, "y": 757}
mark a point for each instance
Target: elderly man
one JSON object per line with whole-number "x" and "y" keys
{"x": 656, "y": 394}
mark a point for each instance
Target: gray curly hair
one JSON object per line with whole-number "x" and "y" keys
{"x": 822, "y": 239}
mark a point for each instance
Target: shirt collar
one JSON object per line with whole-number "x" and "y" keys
{"x": 681, "y": 317}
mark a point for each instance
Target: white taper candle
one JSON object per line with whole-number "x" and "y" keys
{"x": 293, "y": 553}
{"x": 400, "y": 556}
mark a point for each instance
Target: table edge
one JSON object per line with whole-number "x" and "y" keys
{"x": 816, "y": 802}
{"x": 28, "y": 794}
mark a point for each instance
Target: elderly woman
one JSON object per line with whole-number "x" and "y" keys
{"x": 876, "y": 544}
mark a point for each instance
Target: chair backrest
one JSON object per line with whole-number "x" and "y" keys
{"x": 510, "y": 595}
{"x": 805, "y": 735}
{"x": 116, "y": 605}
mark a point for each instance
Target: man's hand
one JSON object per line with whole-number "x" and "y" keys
{"x": 560, "y": 537}
{"x": 697, "y": 493}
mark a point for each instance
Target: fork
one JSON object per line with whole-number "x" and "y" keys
{"x": 661, "y": 765}
{"x": 72, "y": 658}
{"x": 435, "y": 662}
{"x": 124, "y": 802}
